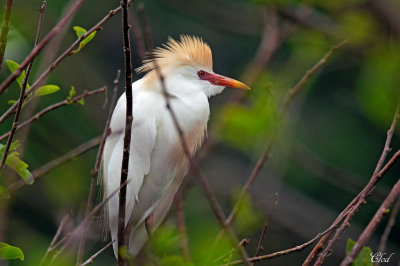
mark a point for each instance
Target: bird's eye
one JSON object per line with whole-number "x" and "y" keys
{"x": 201, "y": 73}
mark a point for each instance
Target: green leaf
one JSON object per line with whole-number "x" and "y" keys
{"x": 363, "y": 258}
{"x": 11, "y": 102}
{"x": 8, "y": 252}
{"x": 174, "y": 260}
{"x": 15, "y": 163}
{"x": 72, "y": 93}
{"x": 81, "y": 101}
{"x": 47, "y": 89}
{"x": 79, "y": 32}
{"x": 13, "y": 66}
{"x": 4, "y": 193}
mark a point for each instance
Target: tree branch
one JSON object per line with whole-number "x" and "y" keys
{"x": 267, "y": 151}
{"x": 61, "y": 58}
{"x": 38, "y": 48}
{"x": 360, "y": 198}
{"x": 95, "y": 171}
{"x": 57, "y": 162}
{"x": 128, "y": 130}
{"x": 180, "y": 214}
{"x": 22, "y": 94}
{"x": 92, "y": 258}
{"x": 55, "y": 106}
{"x": 371, "y": 227}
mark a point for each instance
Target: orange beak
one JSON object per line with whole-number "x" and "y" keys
{"x": 220, "y": 80}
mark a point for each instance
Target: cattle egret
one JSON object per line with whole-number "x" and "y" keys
{"x": 157, "y": 162}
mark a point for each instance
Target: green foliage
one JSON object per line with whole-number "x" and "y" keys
{"x": 13, "y": 66}
{"x": 8, "y": 252}
{"x": 81, "y": 32}
{"x": 14, "y": 162}
{"x": 378, "y": 85}
{"x": 358, "y": 28}
{"x": 45, "y": 90}
{"x": 4, "y": 193}
{"x": 174, "y": 261}
{"x": 364, "y": 258}
{"x": 165, "y": 240}
{"x": 247, "y": 126}
{"x": 248, "y": 219}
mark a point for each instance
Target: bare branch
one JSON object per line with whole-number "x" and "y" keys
{"x": 57, "y": 162}
{"x": 260, "y": 246}
{"x": 181, "y": 225}
{"x": 389, "y": 226}
{"x": 360, "y": 198}
{"x": 92, "y": 258}
{"x": 38, "y": 48}
{"x": 373, "y": 224}
{"x": 266, "y": 153}
{"x": 95, "y": 171}
{"x": 206, "y": 186}
{"x": 128, "y": 130}
{"x": 22, "y": 94}
{"x": 55, "y": 106}
{"x": 61, "y": 58}
{"x": 50, "y": 249}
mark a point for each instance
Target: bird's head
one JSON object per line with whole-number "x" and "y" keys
{"x": 187, "y": 68}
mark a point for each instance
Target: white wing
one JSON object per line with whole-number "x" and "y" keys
{"x": 143, "y": 139}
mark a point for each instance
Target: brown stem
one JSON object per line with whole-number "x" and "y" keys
{"x": 61, "y": 58}
{"x": 38, "y": 48}
{"x": 128, "y": 130}
{"x": 373, "y": 224}
{"x": 260, "y": 246}
{"x": 4, "y": 30}
{"x": 22, "y": 94}
{"x": 361, "y": 197}
{"x": 92, "y": 258}
{"x": 180, "y": 213}
{"x": 206, "y": 186}
{"x": 57, "y": 162}
{"x": 55, "y": 106}
{"x": 95, "y": 171}
{"x": 266, "y": 153}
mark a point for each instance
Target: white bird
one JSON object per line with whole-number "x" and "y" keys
{"x": 157, "y": 162}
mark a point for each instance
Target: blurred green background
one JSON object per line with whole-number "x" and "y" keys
{"x": 327, "y": 149}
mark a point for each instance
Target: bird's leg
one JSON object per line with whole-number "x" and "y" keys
{"x": 148, "y": 223}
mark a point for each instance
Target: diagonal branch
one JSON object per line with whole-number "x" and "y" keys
{"x": 38, "y": 48}
{"x": 55, "y": 106}
{"x": 22, "y": 94}
{"x": 206, "y": 186}
{"x": 61, "y": 58}
{"x": 95, "y": 171}
{"x": 267, "y": 152}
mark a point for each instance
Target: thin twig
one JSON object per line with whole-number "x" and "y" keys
{"x": 266, "y": 153}
{"x": 38, "y": 48}
{"x": 57, "y": 162}
{"x": 361, "y": 197}
{"x": 373, "y": 224}
{"x": 92, "y": 258}
{"x": 50, "y": 249}
{"x": 127, "y": 132}
{"x": 22, "y": 94}
{"x": 4, "y": 30}
{"x": 260, "y": 246}
{"x": 95, "y": 170}
{"x": 55, "y": 106}
{"x": 61, "y": 58}
{"x": 389, "y": 226}
{"x": 180, "y": 214}
{"x": 206, "y": 186}
{"x": 286, "y": 251}
{"x": 68, "y": 239}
